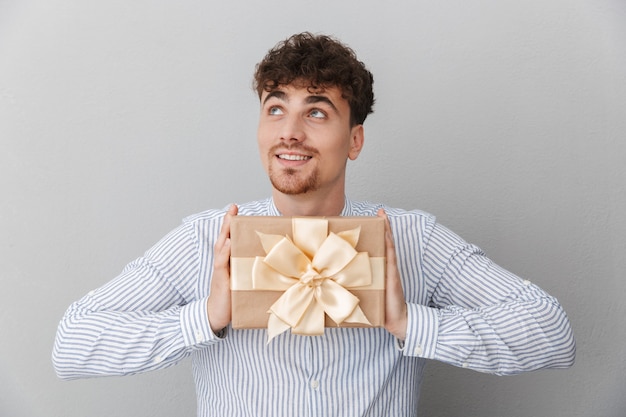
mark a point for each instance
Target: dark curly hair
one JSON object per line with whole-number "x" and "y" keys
{"x": 321, "y": 62}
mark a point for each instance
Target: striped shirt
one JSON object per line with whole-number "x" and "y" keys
{"x": 463, "y": 310}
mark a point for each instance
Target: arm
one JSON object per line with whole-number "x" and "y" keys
{"x": 480, "y": 316}
{"x": 147, "y": 318}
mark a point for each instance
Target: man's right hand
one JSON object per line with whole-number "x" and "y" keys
{"x": 218, "y": 304}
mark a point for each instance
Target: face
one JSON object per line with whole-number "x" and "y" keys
{"x": 305, "y": 139}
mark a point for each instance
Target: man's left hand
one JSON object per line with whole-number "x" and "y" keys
{"x": 395, "y": 306}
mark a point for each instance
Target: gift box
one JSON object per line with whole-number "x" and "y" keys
{"x": 307, "y": 273}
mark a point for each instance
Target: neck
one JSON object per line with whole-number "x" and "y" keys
{"x": 309, "y": 204}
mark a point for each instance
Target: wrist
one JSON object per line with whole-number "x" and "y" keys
{"x": 397, "y": 324}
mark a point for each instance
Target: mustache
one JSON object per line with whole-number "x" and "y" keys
{"x": 294, "y": 147}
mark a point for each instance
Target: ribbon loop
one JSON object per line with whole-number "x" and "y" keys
{"x": 315, "y": 271}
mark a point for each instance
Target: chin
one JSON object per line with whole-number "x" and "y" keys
{"x": 289, "y": 184}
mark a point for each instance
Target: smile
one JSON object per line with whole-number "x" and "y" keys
{"x": 294, "y": 157}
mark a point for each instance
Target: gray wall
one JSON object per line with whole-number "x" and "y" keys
{"x": 506, "y": 119}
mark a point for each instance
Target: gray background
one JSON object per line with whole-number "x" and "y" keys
{"x": 506, "y": 119}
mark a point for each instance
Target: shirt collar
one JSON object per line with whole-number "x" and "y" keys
{"x": 271, "y": 208}
{"x": 273, "y": 211}
{"x": 347, "y": 208}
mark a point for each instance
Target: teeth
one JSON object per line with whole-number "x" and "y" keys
{"x": 294, "y": 157}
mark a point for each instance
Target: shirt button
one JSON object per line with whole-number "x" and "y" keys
{"x": 526, "y": 282}
{"x": 199, "y": 337}
{"x": 315, "y": 384}
{"x": 465, "y": 365}
{"x": 158, "y": 359}
{"x": 419, "y": 350}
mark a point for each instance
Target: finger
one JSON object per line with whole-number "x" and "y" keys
{"x": 395, "y": 308}
{"x": 389, "y": 243}
{"x": 383, "y": 214}
{"x": 222, "y": 254}
{"x": 394, "y": 286}
{"x": 225, "y": 229}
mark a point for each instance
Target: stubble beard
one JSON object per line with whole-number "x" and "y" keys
{"x": 289, "y": 180}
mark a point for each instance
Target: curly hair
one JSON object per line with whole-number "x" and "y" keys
{"x": 321, "y": 62}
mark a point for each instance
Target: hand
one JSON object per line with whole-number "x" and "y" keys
{"x": 218, "y": 304}
{"x": 395, "y": 306}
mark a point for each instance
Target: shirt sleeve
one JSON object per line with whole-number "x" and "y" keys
{"x": 146, "y": 318}
{"x": 483, "y": 317}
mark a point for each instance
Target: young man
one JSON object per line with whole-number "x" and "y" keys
{"x": 444, "y": 299}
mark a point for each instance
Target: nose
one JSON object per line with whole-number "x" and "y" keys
{"x": 292, "y": 129}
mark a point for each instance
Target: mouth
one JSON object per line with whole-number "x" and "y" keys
{"x": 293, "y": 157}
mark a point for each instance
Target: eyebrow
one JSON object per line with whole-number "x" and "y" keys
{"x": 276, "y": 93}
{"x": 312, "y": 99}
{"x": 321, "y": 99}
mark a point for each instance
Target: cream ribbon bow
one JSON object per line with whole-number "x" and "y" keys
{"x": 314, "y": 271}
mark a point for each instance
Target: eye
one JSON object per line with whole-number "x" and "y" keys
{"x": 317, "y": 114}
{"x": 275, "y": 111}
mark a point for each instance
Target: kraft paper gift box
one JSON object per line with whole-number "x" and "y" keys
{"x": 331, "y": 246}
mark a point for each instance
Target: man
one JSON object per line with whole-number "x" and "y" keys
{"x": 444, "y": 299}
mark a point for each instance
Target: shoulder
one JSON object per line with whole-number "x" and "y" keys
{"x": 413, "y": 227}
{"x": 367, "y": 208}
{"x": 252, "y": 208}
{"x": 204, "y": 227}
{"x": 205, "y": 216}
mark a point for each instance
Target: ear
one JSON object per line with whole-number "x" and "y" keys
{"x": 356, "y": 141}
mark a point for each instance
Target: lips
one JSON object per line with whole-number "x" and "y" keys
{"x": 293, "y": 157}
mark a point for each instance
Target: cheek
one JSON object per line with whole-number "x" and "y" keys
{"x": 263, "y": 154}
{"x": 263, "y": 148}
{"x": 261, "y": 138}
{"x": 264, "y": 135}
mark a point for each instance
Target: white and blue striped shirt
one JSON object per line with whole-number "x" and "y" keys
{"x": 463, "y": 310}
